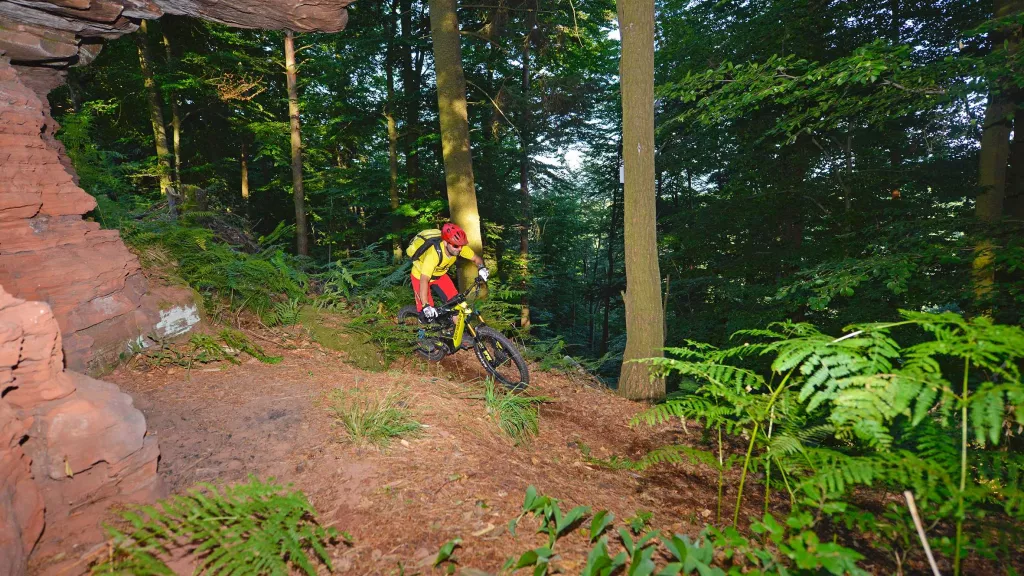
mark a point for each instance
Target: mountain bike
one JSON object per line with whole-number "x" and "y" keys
{"x": 460, "y": 327}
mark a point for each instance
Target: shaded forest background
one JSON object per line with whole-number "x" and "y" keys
{"x": 816, "y": 161}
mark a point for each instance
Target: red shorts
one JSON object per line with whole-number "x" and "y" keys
{"x": 444, "y": 283}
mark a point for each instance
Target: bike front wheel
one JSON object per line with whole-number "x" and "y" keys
{"x": 501, "y": 358}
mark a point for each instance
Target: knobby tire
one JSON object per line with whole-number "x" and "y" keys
{"x": 485, "y": 334}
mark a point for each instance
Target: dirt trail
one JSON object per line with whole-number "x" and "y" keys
{"x": 461, "y": 478}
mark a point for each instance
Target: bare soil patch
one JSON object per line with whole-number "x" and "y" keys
{"x": 460, "y": 478}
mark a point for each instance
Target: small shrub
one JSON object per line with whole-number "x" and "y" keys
{"x": 283, "y": 313}
{"x": 789, "y": 548}
{"x": 391, "y": 340}
{"x": 205, "y": 349}
{"x": 516, "y": 415}
{"x": 372, "y": 421}
{"x": 253, "y": 528}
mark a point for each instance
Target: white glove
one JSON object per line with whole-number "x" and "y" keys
{"x": 484, "y": 273}
{"x": 429, "y": 312}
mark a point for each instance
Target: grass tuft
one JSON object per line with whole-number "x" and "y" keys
{"x": 370, "y": 420}
{"x": 517, "y": 416}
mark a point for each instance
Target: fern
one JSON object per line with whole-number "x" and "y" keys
{"x": 833, "y": 413}
{"x": 674, "y": 454}
{"x": 253, "y": 528}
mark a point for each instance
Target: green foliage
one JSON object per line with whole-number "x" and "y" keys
{"x": 517, "y": 415}
{"x": 283, "y": 313}
{"x": 252, "y": 528}
{"x": 266, "y": 282}
{"x": 551, "y": 356}
{"x": 390, "y": 340}
{"x": 832, "y": 413}
{"x": 205, "y": 349}
{"x": 446, "y": 551}
{"x": 790, "y": 548}
{"x": 372, "y": 419}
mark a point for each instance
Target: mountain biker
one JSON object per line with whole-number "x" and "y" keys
{"x": 433, "y": 252}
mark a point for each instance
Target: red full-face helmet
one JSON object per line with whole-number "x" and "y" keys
{"x": 454, "y": 235}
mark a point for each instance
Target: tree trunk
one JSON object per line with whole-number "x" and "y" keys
{"x": 245, "y": 171}
{"x": 1014, "y": 207}
{"x": 645, "y": 335}
{"x": 156, "y": 117}
{"x": 524, "y": 169}
{"x": 993, "y": 160}
{"x": 389, "y": 114}
{"x": 301, "y": 228}
{"x": 453, "y": 113}
{"x": 411, "y": 80}
{"x": 610, "y": 275}
{"x": 175, "y": 114}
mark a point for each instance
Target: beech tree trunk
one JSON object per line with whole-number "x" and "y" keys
{"x": 156, "y": 117}
{"x": 994, "y": 158}
{"x": 453, "y": 112}
{"x": 175, "y": 114}
{"x": 389, "y": 115}
{"x": 301, "y": 227}
{"x": 645, "y": 335}
{"x": 245, "y": 171}
{"x": 613, "y": 228}
{"x": 1014, "y": 206}
{"x": 411, "y": 81}
{"x": 524, "y": 169}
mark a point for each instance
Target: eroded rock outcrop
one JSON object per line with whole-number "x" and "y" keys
{"x": 48, "y": 252}
{"x": 68, "y": 444}
{"x": 62, "y": 32}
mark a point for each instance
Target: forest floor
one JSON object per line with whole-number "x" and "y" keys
{"x": 460, "y": 478}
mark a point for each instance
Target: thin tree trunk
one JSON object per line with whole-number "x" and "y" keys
{"x": 175, "y": 114}
{"x": 1014, "y": 207}
{"x": 301, "y": 228}
{"x": 156, "y": 117}
{"x": 847, "y": 186}
{"x": 453, "y": 113}
{"x": 411, "y": 80}
{"x": 610, "y": 278}
{"x": 524, "y": 169}
{"x": 993, "y": 160}
{"x": 245, "y": 171}
{"x": 389, "y": 114}
{"x": 645, "y": 335}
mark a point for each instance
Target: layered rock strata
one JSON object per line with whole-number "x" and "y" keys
{"x": 48, "y": 252}
{"x": 63, "y": 32}
{"x": 69, "y": 445}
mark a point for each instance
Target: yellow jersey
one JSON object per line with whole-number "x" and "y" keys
{"x": 430, "y": 264}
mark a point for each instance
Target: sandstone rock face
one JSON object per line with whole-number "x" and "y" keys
{"x": 21, "y": 505}
{"x": 68, "y": 444}
{"x": 63, "y": 32}
{"x": 90, "y": 279}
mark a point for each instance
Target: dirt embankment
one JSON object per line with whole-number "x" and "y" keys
{"x": 460, "y": 478}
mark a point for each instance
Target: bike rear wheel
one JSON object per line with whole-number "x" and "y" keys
{"x": 501, "y": 358}
{"x": 428, "y": 347}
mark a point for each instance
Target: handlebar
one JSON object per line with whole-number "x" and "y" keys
{"x": 449, "y": 307}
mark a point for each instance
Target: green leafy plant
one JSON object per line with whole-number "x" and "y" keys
{"x": 380, "y": 330}
{"x": 252, "y": 528}
{"x": 371, "y": 419}
{"x": 789, "y": 548}
{"x": 217, "y": 270}
{"x": 445, "y": 554}
{"x": 227, "y": 346}
{"x": 827, "y": 413}
{"x": 284, "y": 313}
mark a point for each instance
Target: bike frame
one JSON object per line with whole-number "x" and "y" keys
{"x": 463, "y": 313}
